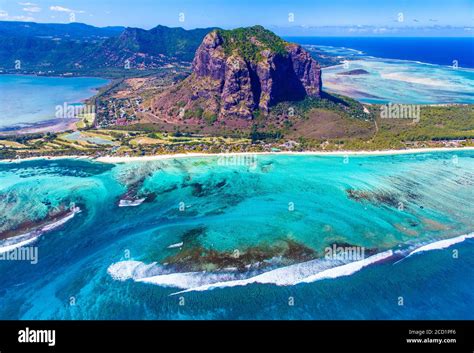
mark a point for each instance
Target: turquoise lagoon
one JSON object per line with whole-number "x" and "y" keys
{"x": 27, "y": 100}
{"x": 411, "y": 212}
{"x": 401, "y": 81}
{"x": 400, "y": 70}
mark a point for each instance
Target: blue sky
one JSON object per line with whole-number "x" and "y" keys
{"x": 235, "y": 13}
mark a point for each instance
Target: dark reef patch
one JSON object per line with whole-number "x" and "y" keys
{"x": 465, "y": 180}
{"x": 134, "y": 192}
{"x": 198, "y": 190}
{"x": 221, "y": 184}
{"x": 191, "y": 236}
{"x": 151, "y": 196}
{"x": 205, "y": 189}
{"x": 198, "y": 258}
{"x": 266, "y": 167}
{"x": 345, "y": 245}
{"x": 406, "y": 186}
{"x": 35, "y": 225}
{"x": 377, "y": 197}
{"x": 134, "y": 179}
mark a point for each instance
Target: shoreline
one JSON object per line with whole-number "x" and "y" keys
{"x": 57, "y": 125}
{"x": 34, "y": 74}
{"x": 114, "y": 160}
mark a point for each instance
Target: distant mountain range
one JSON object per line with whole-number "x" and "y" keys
{"x": 80, "y": 48}
{"x": 78, "y": 31}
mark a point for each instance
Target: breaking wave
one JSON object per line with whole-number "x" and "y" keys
{"x": 442, "y": 244}
{"x": 30, "y": 237}
{"x": 199, "y": 281}
{"x": 305, "y": 272}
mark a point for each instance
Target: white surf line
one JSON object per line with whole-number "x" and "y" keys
{"x": 438, "y": 245}
{"x": 442, "y": 244}
{"x": 403, "y": 258}
{"x": 62, "y": 221}
{"x": 177, "y": 245}
{"x": 129, "y": 203}
{"x": 11, "y": 247}
{"x": 46, "y": 228}
{"x": 270, "y": 277}
{"x": 348, "y": 269}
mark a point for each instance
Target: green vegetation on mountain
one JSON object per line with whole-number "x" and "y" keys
{"x": 73, "y": 30}
{"x": 261, "y": 39}
{"x": 79, "y": 49}
{"x": 175, "y": 43}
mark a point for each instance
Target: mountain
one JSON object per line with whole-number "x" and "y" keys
{"x": 80, "y": 48}
{"x": 237, "y": 73}
{"x": 141, "y": 48}
{"x": 72, "y": 30}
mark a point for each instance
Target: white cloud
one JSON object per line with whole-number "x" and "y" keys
{"x": 26, "y": 4}
{"x": 4, "y": 16}
{"x": 64, "y": 9}
{"x": 32, "y": 9}
{"x": 60, "y": 9}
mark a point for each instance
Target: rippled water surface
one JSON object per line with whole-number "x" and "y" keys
{"x": 238, "y": 239}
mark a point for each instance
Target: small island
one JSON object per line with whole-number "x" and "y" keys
{"x": 354, "y": 72}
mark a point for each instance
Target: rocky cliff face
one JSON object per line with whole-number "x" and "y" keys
{"x": 237, "y": 72}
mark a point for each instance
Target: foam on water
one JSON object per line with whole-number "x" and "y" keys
{"x": 442, "y": 244}
{"x": 29, "y": 238}
{"x": 121, "y": 271}
{"x": 199, "y": 281}
{"x": 59, "y": 223}
{"x": 177, "y": 245}
{"x": 12, "y": 246}
{"x": 348, "y": 269}
{"x": 186, "y": 280}
{"x": 289, "y": 275}
{"x": 306, "y": 272}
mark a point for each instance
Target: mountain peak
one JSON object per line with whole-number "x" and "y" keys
{"x": 249, "y": 42}
{"x": 236, "y": 72}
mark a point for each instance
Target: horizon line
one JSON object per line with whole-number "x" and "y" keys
{"x": 336, "y": 31}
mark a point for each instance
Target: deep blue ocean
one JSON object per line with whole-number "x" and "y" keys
{"x": 441, "y": 51}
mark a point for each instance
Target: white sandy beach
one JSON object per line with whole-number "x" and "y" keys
{"x": 111, "y": 159}
{"x": 124, "y": 159}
